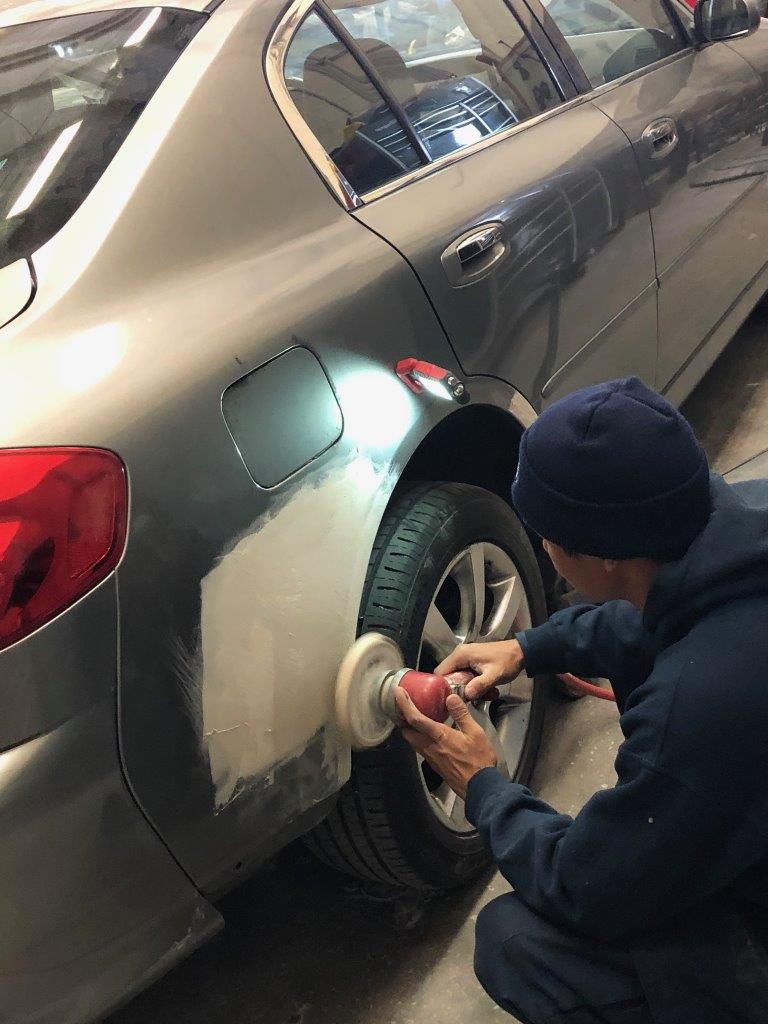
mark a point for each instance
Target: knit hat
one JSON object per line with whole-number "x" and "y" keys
{"x": 615, "y": 471}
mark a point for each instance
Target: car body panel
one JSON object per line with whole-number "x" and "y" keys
{"x": 94, "y": 906}
{"x": 755, "y": 468}
{"x": 579, "y": 252}
{"x": 708, "y": 195}
{"x": 237, "y": 602}
{"x": 16, "y": 289}
{"x": 61, "y": 670}
{"x": 753, "y": 49}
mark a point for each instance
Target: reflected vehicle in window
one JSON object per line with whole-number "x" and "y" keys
{"x": 222, "y": 230}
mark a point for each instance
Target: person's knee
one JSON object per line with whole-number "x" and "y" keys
{"x": 500, "y": 920}
{"x": 537, "y": 971}
{"x": 501, "y": 924}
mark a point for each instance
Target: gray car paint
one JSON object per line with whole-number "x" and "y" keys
{"x": 16, "y": 289}
{"x": 92, "y": 907}
{"x": 708, "y": 195}
{"x": 579, "y": 253}
{"x": 255, "y": 410}
{"x": 236, "y": 603}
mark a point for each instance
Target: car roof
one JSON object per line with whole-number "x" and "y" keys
{"x": 18, "y": 12}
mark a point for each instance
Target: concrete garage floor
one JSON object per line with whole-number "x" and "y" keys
{"x": 303, "y": 946}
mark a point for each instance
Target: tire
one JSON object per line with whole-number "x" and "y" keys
{"x": 384, "y": 827}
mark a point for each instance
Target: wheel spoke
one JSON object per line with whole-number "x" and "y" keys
{"x": 481, "y": 716}
{"x": 479, "y": 597}
{"x": 511, "y": 726}
{"x": 450, "y": 801}
{"x": 451, "y": 805}
{"x": 508, "y": 597}
{"x": 469, "y": 575}
{"x": 438, "y": 635}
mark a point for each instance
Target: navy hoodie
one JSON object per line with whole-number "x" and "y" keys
{"x": 686, "y": 826}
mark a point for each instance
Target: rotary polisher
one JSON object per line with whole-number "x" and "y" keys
{"x": 371, "y": 672}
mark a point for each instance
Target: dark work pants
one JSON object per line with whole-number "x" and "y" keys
{"x": 544, "y": 975}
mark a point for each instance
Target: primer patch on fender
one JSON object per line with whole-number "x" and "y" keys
{"x": 278, "y": 612}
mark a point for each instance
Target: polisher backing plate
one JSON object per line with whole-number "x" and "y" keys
{"x": 366, "y": 665}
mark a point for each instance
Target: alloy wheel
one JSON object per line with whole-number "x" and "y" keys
{"x": 480, "y": 598}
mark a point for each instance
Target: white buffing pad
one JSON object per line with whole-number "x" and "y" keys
{"x": 364, "y": 670}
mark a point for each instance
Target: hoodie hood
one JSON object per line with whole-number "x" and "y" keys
{"x": 727, "y": 561}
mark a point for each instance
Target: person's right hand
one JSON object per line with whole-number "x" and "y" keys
{"x": 493, "y": 664}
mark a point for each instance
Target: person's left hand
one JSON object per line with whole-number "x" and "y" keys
{"x": 455, "y": 754}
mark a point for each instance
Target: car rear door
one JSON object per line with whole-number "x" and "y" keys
{"x": 518, "y": 204}
{"x": 695, "y": 116}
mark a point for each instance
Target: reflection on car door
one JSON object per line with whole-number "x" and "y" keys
{"x": 535, "y": 247}
{"x": 695, "y": 117}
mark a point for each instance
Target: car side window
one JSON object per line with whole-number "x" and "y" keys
{"x": 612, "y": 38}
{"x": 344, "y": 109}
{"x": 461, "y": 70}
{"x": 395, "y": 84}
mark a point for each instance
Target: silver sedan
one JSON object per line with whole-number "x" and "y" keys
{"x": 280, "y": 287}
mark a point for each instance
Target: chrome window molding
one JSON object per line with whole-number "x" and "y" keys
{"x": 467, "y": 151}
{"x": 274, "y": 69}
{"x": 600, "y": 90}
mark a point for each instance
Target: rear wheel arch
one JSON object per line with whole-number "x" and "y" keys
{"x": 477, "y": 445}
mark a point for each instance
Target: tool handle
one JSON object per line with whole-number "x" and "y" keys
{"x": 428, "y": 692}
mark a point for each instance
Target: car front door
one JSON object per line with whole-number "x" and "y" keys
{"x": 695, "y": 115}
{"x": 518, "y": 204}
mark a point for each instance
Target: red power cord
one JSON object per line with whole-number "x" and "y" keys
{"x": 582, "y": 686}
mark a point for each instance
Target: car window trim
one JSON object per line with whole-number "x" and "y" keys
{"x": 551, "y": 57}
{"x": 274, "y": 65}
{"x": 274, "y": 69}
{"x": 468, "y": 151}
{"x": 552, "y": 30}
{"x": 342, "y": 33}
{"x": 600, "y": 90}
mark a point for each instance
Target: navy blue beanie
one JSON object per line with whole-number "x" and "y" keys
{"x": 615, "y": 471}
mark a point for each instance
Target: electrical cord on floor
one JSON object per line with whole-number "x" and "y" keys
{"x": 578, "y": 685}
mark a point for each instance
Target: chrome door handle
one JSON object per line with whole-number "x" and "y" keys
{"x": 474, "y": 254}
{"x": 661, "y": 137}
{"x": 470, "y": 248}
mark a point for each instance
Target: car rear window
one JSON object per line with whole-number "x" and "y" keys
{"x": 71, "y": 89}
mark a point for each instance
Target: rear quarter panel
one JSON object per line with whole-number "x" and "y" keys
{"x": 210, "y": 247}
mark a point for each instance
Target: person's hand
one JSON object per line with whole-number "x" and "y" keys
{"x": 455, "y": 754}
{"x": 493, "y": 664}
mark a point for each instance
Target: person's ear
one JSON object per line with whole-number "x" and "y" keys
{"x": 610, "y": 565}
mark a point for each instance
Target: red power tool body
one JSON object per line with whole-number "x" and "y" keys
{"x": 373, "y": 670}
{"x": 429, "y": 692}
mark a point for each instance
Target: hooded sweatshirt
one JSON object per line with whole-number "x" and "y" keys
{"x": 686, "y": 825}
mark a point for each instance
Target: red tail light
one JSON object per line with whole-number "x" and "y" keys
{"x": 63, "y": 515}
